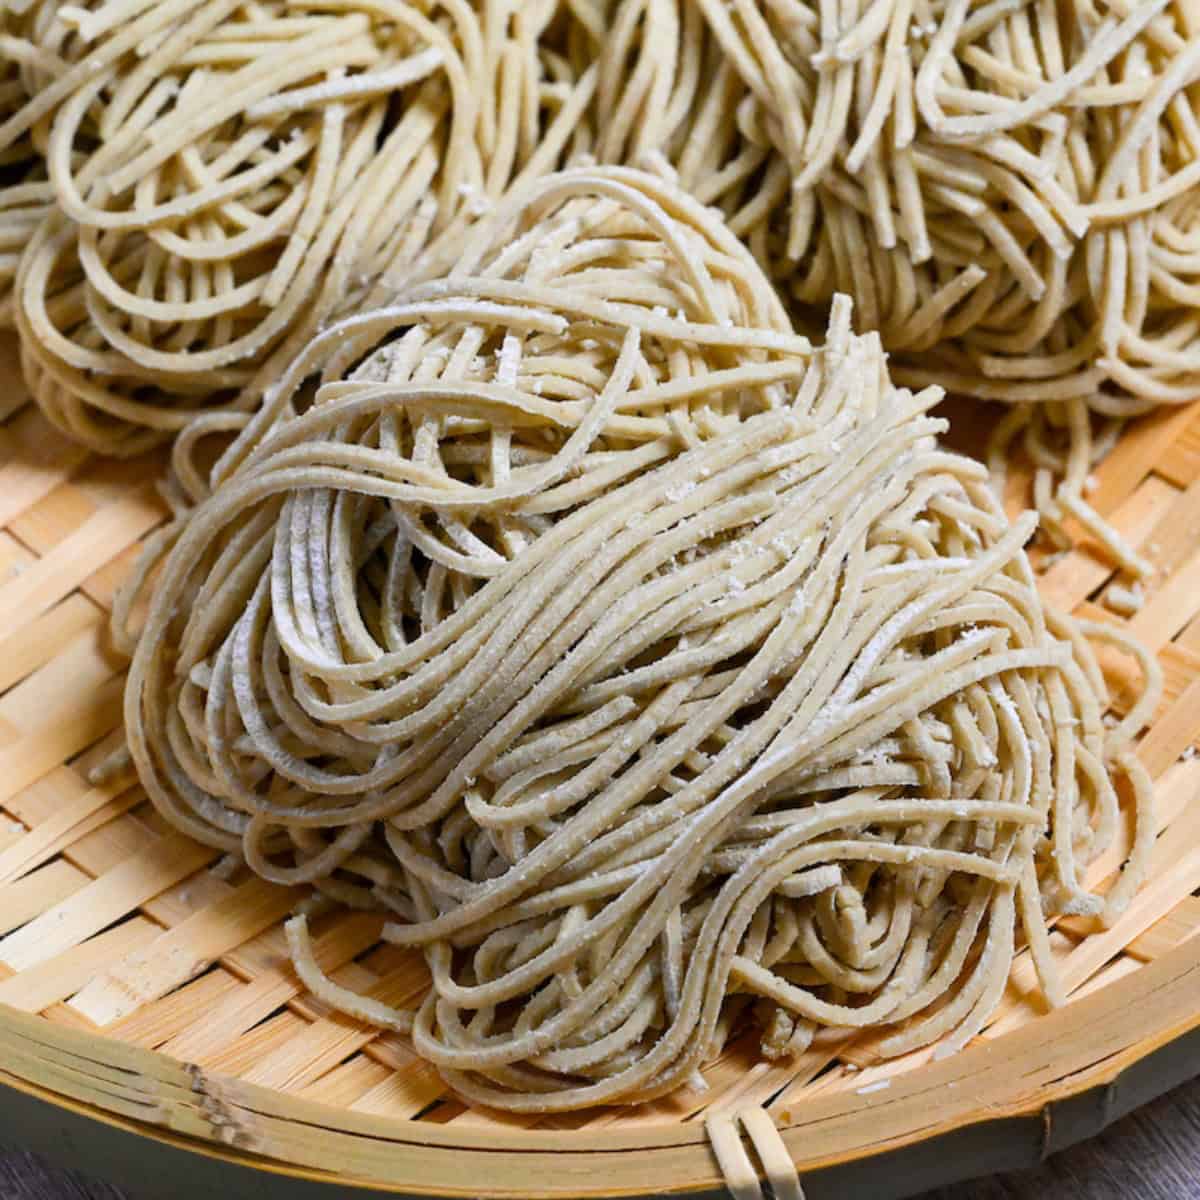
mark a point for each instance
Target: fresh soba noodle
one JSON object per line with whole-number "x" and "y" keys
{"x": 25, "y": 193}
{"x": 655, "y": 669}
{"x": 1008, "y": 189}
{"x": 228, "y": 176}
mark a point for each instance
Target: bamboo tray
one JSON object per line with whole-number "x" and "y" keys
{"x": 150, "y": 1022}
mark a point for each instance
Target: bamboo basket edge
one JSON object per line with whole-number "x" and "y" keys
{"x": 514, "y": 1155}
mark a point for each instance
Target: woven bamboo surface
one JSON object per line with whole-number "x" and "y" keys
{"x": 137, "y": 985}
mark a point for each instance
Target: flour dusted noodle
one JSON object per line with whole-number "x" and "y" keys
{"x": 653, "y": 668}
{"x": 227, "y": 176}
{"x": 1007, "y": 190}
{"x": 27, "y": 56}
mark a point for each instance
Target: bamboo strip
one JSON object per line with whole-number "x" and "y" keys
{"x": 404, "y": 1094}
{"x": 347, "y": 1083}
{"x": 61, "y": 685}
{"x": 1189, "y": 636}
{"x": 181, "y": 953}
{"x": 62, "y": 975}
{"x": 1168, "y": 932}
{"x": 1173, "y": 540}
{"x": 104, "y": 900}
{"x": 22, "y": 901}
{"x": 11, "y": 830}
{"x": 1180, "y": 462}
{"x": 158, "y": 1021}
{"x": 95, "y": 851}
{"x": 214, "y": 1030}
{"x": 262, "y": 1040}
{"x": 58, "y": 573}
{"x": 1173, "y": 732}
{"x": 24, "y": 651}
{"x": 1170, "y": 607}
{"x": 34, "y": 466}
{"x": 85, "y": 717}
{"x": 14, "y": 555}
{"x": 91, "y": 810}
{"x": 325, "y": 1043}
{"x": 1134, "y": 455}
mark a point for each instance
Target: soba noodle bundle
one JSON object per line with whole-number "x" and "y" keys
{"x": 227, "y": 176}
{"x": 25, "y": 192}
{"x": 654, "y": 669}
{"x": 1008, "y": 189}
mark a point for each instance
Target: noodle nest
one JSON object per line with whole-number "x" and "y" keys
{"x": 654, "y": 669}
{"x": 225, "y": 178}
{"x": 1009, "y": 190}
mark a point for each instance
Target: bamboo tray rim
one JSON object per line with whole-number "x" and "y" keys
{"x": 1151, "y": 1005}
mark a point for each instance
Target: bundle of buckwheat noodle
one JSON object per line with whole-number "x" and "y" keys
{"x": 25, "y": 192}
{"x": 653, "y": 668}
{"x": 227, "y": 176}
{"x": 1008, "y": 189}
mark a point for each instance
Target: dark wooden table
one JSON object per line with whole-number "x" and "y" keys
{"x": 1153, "y": 1154}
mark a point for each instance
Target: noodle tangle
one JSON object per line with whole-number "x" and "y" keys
{"x": 654, "y": 669}
{"x": 227, "y": 177}
{"x": 1009, "y": 191}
